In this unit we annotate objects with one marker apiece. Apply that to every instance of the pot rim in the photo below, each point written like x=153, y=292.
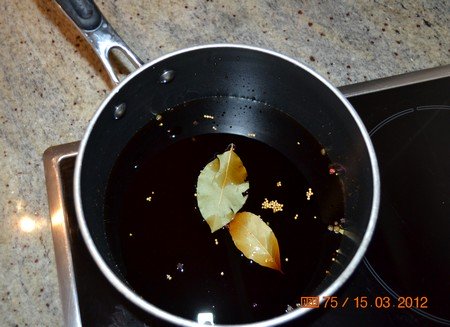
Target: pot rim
x=150, y=308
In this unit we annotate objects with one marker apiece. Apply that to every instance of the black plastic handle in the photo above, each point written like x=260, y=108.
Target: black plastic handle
x=84, y=13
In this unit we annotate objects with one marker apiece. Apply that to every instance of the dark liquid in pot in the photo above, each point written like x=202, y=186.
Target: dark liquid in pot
x=165, y=249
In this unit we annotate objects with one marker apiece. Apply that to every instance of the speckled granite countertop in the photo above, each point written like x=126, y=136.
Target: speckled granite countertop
x=51, y=83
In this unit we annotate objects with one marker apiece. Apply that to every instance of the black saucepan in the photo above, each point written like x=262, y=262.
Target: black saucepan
x=220, y=71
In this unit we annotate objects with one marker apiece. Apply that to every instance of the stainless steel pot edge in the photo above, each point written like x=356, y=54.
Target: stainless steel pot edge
x=127, y=292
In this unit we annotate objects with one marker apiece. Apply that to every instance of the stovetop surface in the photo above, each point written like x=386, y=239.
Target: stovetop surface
x=407, y=262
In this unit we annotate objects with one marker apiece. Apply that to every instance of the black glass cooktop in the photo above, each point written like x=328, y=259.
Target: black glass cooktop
x=404, y=280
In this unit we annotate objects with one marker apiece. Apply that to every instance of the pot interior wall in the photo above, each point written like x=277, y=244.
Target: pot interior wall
x=235, y=72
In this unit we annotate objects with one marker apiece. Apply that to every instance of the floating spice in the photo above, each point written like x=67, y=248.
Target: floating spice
x=309, y=193
x=255, y=240
x=220, y=189
x=273, y=204
x=220, y=193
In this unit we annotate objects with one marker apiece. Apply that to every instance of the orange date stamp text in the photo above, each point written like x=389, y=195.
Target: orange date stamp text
x=364, y=302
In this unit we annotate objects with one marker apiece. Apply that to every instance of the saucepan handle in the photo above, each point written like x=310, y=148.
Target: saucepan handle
x=97, y=31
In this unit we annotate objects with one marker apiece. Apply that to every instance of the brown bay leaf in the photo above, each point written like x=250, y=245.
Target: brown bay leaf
x=255, y=240
x=220, y=188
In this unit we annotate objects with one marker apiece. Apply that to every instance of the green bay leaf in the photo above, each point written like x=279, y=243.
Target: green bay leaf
x=220, y=189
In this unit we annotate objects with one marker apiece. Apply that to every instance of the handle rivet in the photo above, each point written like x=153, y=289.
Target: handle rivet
x=167, y=76
x=119, y=110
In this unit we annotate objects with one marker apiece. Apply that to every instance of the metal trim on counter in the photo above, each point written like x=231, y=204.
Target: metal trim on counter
x=61, y=240
x=387, y=83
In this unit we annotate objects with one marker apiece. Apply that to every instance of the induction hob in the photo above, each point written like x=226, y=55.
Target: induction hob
x=404, y=280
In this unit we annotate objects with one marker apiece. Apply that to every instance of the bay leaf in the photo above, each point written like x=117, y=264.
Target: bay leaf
x=255, y=240
x=220, y=189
